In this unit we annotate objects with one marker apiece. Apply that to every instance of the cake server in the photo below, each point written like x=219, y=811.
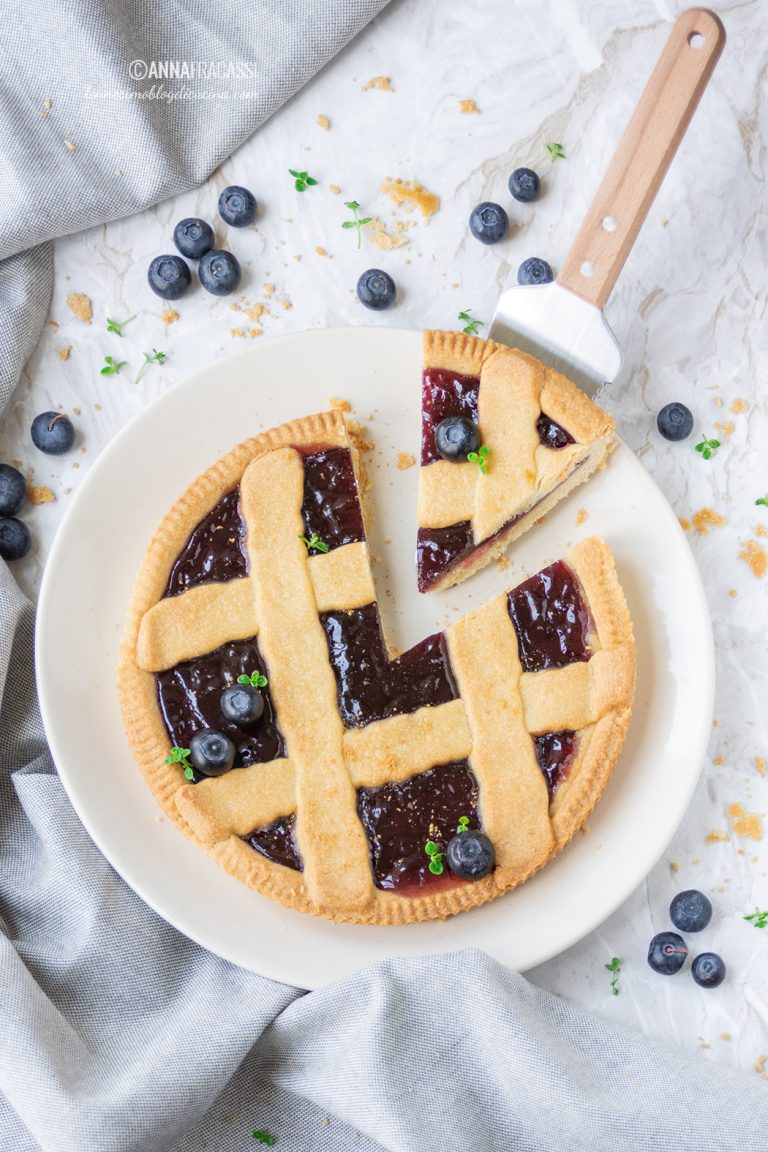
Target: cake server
x=562, y=323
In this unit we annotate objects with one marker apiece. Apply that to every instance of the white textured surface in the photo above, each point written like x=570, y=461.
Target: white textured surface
x=689, y=311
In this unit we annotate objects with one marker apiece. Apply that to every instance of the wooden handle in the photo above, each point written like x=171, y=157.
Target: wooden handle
x=641, y=160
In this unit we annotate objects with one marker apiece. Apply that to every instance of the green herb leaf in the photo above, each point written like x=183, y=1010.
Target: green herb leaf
x=256, y=680
x=615, y=968
x=436, y=865
x=471, y=326
x=480, y=458
x=463, y=824
x=302, y=180
x=763, y=500
x=707, y=447
x=556, y=152
x=154, y=358
x=181, y=756
x=189, y=772
x=112, y=367
x=116, y=326
x=357, y=222
x=431, y=848
x=264, y=1137
x=315, y=542
x=758, y=919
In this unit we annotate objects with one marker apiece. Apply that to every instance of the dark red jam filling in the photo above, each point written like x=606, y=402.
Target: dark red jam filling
x=190, y=694
x=552, y=435
x=331, y=507
x=555, y=752
x=276, y=842
x=215, y=550
x=400, y=818
x=371, y=686
x=551, y=619
x=444, y=393
x=440, y=548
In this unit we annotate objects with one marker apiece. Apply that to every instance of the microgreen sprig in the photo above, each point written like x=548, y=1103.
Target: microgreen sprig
x=763, y=500
x=480, y=458
x=314, y=541
x=302, y=180
x=436, y=865
x=181, y=756
x=112, y=367
x=556, y=152
x=256, y=680
x=707, y=447
x=471, y=326
x=463, y=824
x=116, y=326
x=155, y=358
x=263, y=1137
x=357, y=222
x=615, y=969
x=758, y=919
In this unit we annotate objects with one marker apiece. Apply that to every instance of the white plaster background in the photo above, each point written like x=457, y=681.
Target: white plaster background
x=689, y=311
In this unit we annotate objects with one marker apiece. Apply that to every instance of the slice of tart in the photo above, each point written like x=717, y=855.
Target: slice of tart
x=504, y=439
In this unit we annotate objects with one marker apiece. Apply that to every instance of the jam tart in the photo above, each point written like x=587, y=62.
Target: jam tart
x=360, y=769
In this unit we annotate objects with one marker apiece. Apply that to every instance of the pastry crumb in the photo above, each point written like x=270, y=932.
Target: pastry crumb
x=727, y=429
x=286, y=304
x=756, y=557
x=760, y=764
x=323, y=122
x=732, y=593
x=739, y=406
x=405, y=460
x=322, y=252
x=334, y=189
x=703, y=1043
x=97, y=407
x=325, y=1121
x=255, y=332
x=378, y=235
x=503, y=563
x=380, y=83
x=235, y=333
x=674, y=866
x=80, y=306
x=64, y=352
x=718, y=401
x=46, y=108
x=761, y=530
x=581, y=516
x=40, y=495
x=760, y=1064
x=54, y=324
x=70, y=146
x=410, y=195
x=716, y=835
x=170, y=316
x=745, y=824
x=684, y=523
x=725, y=1035
x=339, y=405
x=468, y=108
x=269, y=289
x=705, y=519
x=718, y=760
x=584, y=829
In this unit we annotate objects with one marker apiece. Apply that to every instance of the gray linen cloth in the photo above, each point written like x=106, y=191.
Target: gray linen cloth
x=116, y=1032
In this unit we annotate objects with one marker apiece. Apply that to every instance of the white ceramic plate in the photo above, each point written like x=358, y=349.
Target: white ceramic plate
x=86, y=589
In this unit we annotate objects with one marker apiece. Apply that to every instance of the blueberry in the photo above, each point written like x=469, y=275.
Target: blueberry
x=211, y=753
x=15, y=540
x=53, y=433
x=534, y=270
x=455, y=437
x=525, y=185
x=708, y=970
x=488, y=222
x=219, y=272
x=13, y=490
x=690, y=911
x=193, y=237
x=376, y=289
x=237, y=206
x=675, y=421
x=667, y=953
x=470, y=854
x=242, y=704
x=169, y=277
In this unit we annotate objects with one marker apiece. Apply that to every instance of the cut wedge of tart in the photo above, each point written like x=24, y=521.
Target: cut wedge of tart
x=504, y=439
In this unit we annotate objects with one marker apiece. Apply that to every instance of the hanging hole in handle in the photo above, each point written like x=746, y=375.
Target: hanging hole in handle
x=696, y=40
x=609, y=223
x=587, y=269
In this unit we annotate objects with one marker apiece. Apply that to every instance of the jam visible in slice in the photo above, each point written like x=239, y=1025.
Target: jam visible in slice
x=444, y=393
x=551, y=434
x=555, y=752
x=276, y=842
x=551, y=619
x=440, y=548
x=331, y=507
x=190, y=699
x=215, y=550
x=370, y=685
x=399, y=819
